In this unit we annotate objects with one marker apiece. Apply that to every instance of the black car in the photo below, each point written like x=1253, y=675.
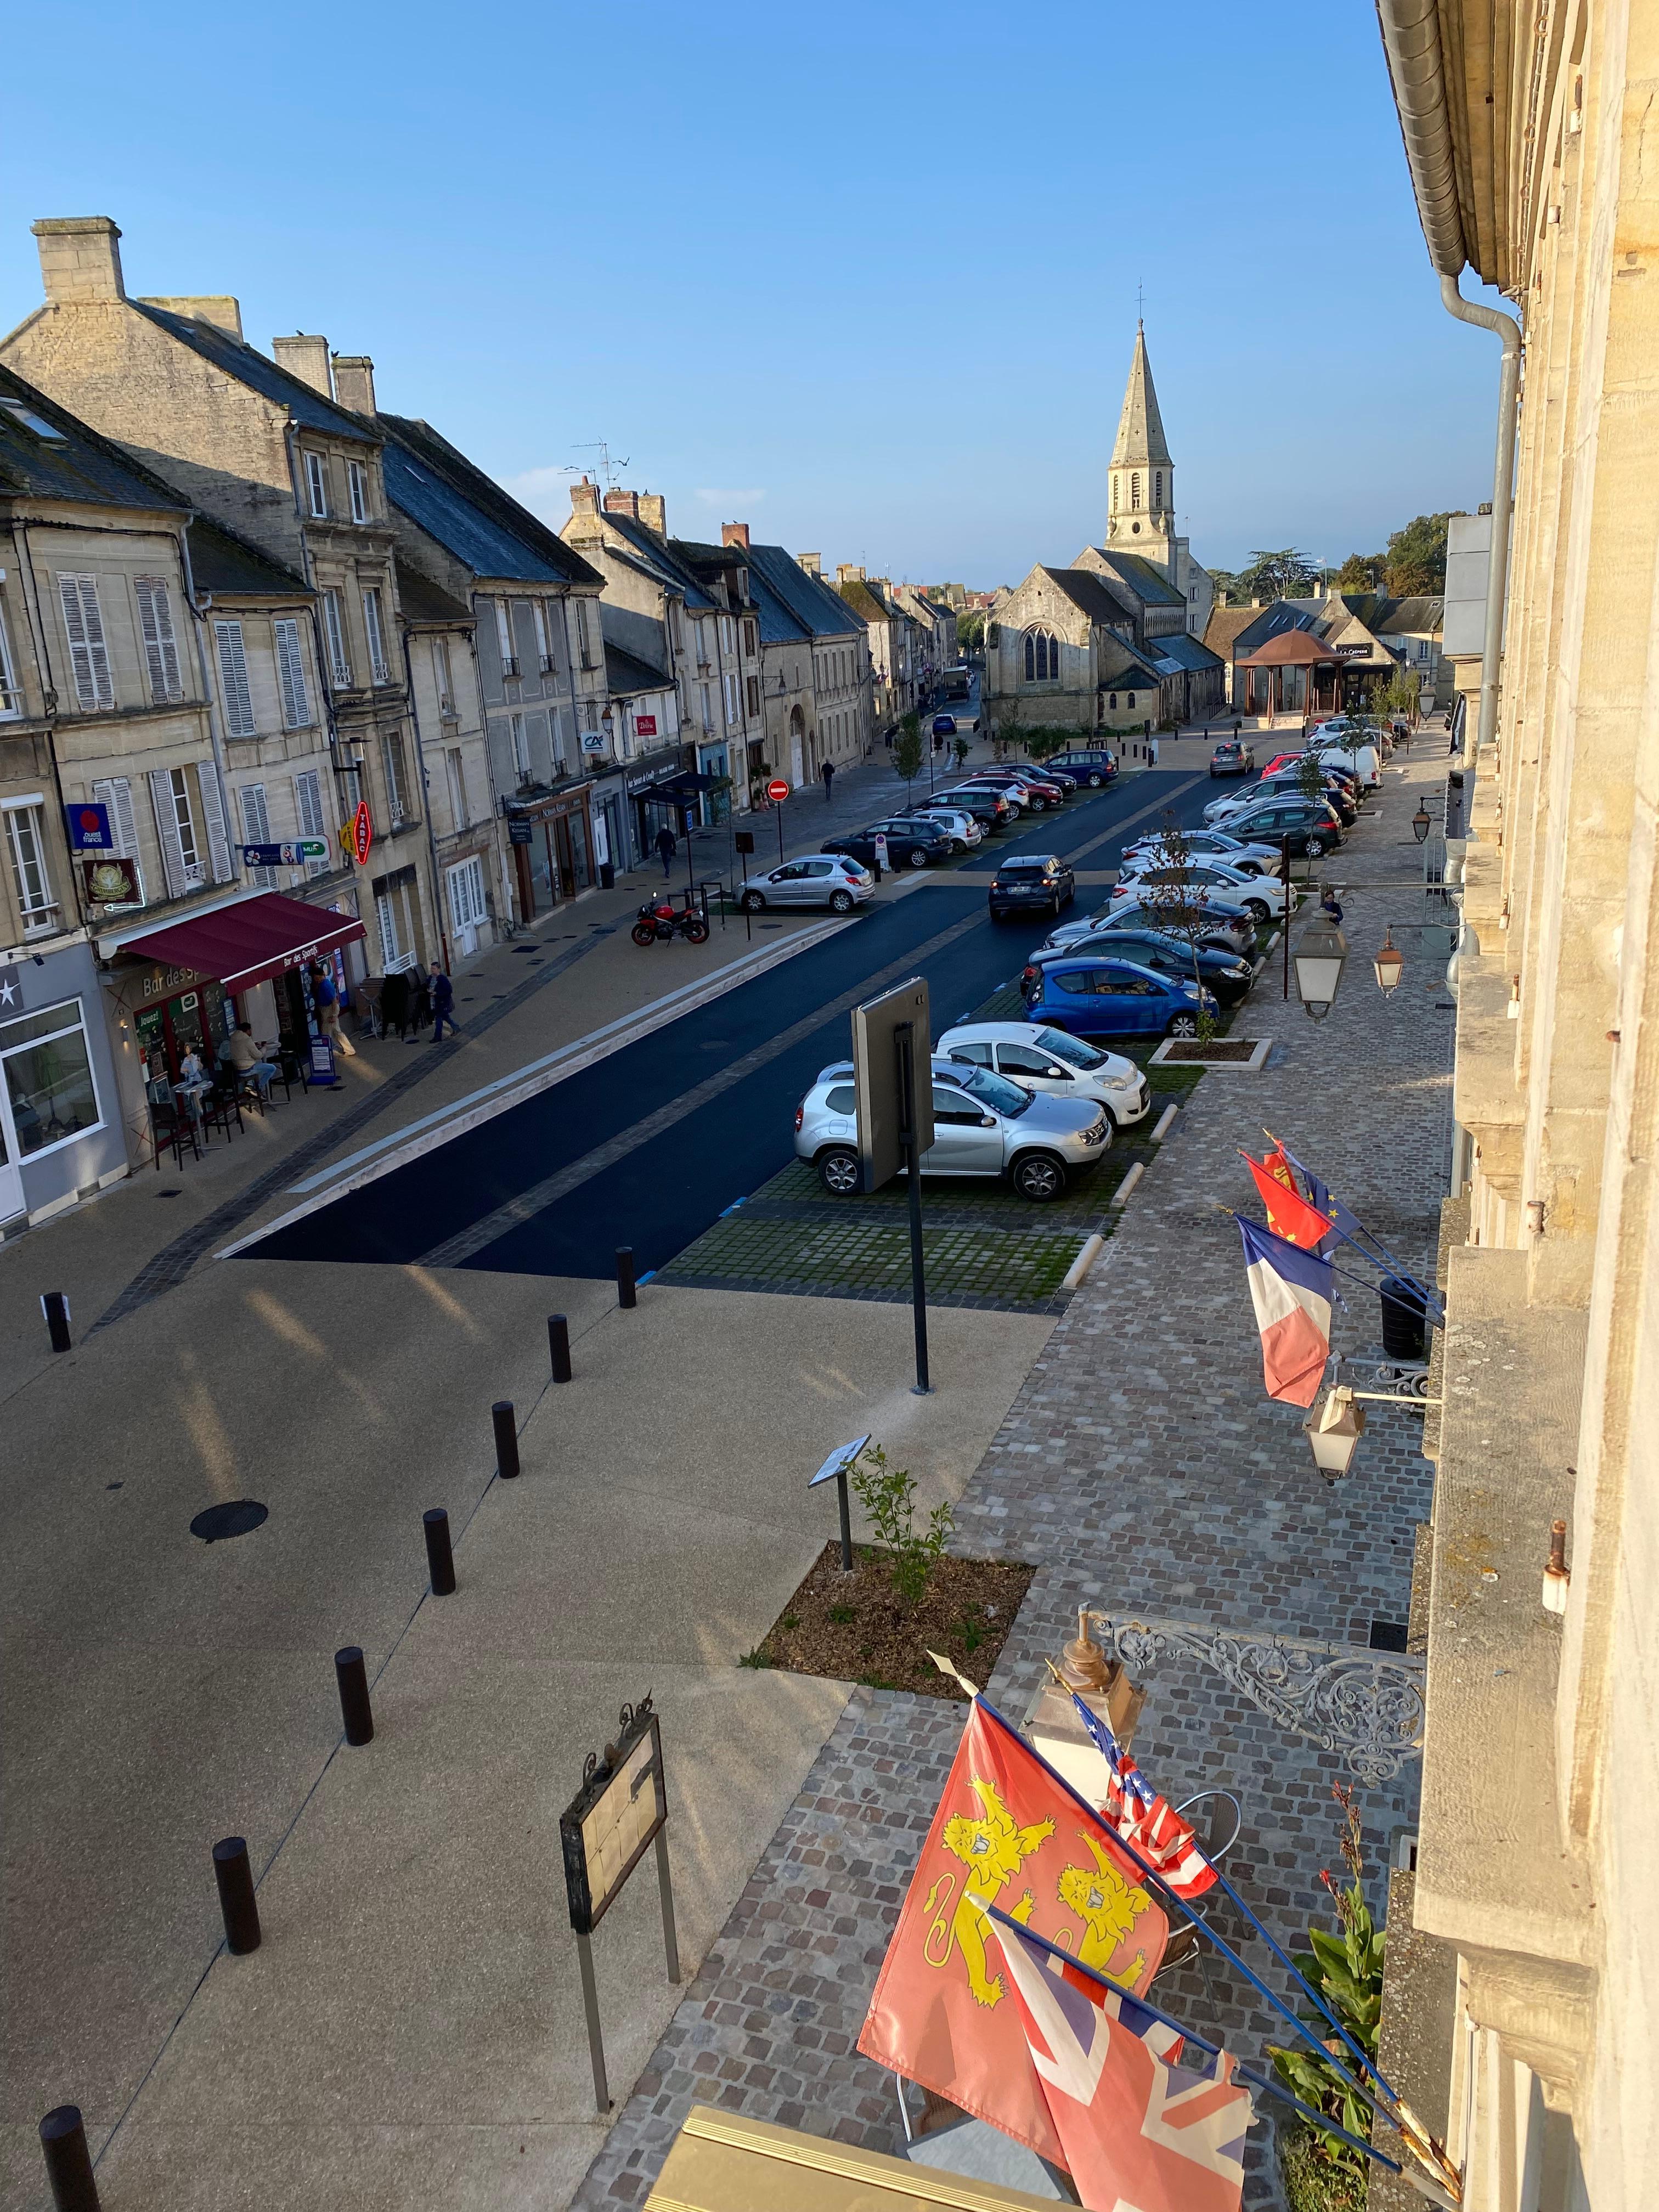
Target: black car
x=1226, y=973
x=1232, y=757
x=1091, y=764
x=912, y=841
x=1220, y=933
x=989, y=808
x=1035, y=883
x=1309, y=824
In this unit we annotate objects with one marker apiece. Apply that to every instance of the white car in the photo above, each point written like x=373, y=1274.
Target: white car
x=1265, y=895
x=963, y=831
x=1042, y=1059
x=1210, y=845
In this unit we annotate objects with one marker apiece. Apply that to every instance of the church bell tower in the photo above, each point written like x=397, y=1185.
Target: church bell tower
x=1141, y=476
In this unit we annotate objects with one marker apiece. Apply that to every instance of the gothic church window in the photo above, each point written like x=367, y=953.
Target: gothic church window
x=1042, y=656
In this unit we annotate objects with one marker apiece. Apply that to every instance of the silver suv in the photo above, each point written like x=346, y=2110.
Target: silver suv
x=984, y=1125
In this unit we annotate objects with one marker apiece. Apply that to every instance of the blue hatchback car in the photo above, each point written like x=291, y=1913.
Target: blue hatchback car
x=1095, y=997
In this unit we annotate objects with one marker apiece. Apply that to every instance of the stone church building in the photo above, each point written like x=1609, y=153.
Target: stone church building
x=1114, y=641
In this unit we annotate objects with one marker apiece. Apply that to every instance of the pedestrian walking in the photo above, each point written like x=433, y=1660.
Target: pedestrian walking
x=828, y=772
x=326, y=1000
x=1330, y=906
x=443, y=1002
x=667, y=846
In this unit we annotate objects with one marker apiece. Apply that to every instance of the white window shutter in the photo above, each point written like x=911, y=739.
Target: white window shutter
x=83, y=625
x=333, y=622
x=167, y=831
x=233, y=677
x=115, y=793
x=213, y=810
x=161, y=647
x=256, y=827
x=291, y=674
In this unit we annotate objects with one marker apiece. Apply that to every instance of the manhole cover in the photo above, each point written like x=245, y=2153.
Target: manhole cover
x=235, y=1519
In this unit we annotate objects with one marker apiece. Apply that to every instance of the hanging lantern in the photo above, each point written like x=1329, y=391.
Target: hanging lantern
x=1321, y=956
x=1420, y=821
x=1334, y=1430
x=1390, y=966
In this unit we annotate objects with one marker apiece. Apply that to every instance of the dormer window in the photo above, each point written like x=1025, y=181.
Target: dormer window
x=316, y=484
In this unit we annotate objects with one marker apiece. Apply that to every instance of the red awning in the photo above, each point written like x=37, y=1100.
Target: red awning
x=251, y=941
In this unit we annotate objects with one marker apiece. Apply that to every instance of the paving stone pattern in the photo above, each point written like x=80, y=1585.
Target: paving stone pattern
x=1142, y=1469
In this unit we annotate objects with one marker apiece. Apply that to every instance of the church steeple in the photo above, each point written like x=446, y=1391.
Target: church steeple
x=1141, y=471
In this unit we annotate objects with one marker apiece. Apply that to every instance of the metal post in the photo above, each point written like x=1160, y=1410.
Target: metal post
x=846, y=1523
x=69, y=2162
x=905, y=1038
x=236, y=1900
x=670, y=1943
x=626, y=1296
x=558, y=1345
x=352, y=1677
x=595, y=2032
x=439, y=1560
x=56, y=1307
x=1285, y=869
x=507, y=1438
x=779, y=807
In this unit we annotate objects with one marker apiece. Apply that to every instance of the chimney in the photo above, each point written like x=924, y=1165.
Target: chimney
x=735, y=533
x=847, y=574
x=653, y=513
x=617, y=501
x=80, y=259
x=584, y=497
x=353, y=382
x=224, y=312
x=306, y=358
x=813, y=563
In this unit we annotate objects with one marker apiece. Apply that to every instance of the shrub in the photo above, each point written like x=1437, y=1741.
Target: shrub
x=888, y=1495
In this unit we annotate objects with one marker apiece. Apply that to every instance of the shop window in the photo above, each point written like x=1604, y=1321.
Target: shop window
x=51, y=1091
x=32, y=885
x=467, y=895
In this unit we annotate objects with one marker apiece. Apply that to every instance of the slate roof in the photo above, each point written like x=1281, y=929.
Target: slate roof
x=1185, y=650
x=1140, y=440
x=1143, y=576
x=1270, y=622
x=1414, y=615
x=625, y=672
x=1092, y=593
x=1221, y=632
x=268, y=378
x=229, y=568
x=820, y=611
x=423, y=601
x=436, y=485
x=80, y=466
x=658, y=560
x=778, y=623
x=866, y=603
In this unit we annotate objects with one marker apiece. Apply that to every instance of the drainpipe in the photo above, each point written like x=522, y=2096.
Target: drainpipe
x=1503, y=488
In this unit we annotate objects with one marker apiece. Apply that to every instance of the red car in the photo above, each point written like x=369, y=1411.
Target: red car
x=1034, y=792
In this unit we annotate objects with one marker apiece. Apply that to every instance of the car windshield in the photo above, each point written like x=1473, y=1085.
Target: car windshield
x=1022, y=871
x=1070, y=1049
x=992, y=1090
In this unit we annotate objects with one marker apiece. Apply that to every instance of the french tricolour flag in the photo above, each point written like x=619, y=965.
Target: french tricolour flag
x=1292, y=1290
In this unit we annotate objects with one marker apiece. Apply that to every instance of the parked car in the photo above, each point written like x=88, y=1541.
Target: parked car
x=1234, y=933
x=963, y=831
x=1031, y=883
x=1091, y=997
x=1308, y=824
x=984, y=1125
x=1011, y=795
x=1211, y=901
x=991, y=809
x=828, y=879
x=1220, y=969
x=1213, y=844
x=1358, y=758
x=1226, y=813
x=1034, y=792
x=1232, y=756
x=1094, y=765
x=1263, y=896
x=913, y=840
x=1049, y=1061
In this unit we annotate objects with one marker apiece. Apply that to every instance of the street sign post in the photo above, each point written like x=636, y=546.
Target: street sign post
x=777, y=791
x=743, y=843
x=619, y=1812
x=893, y=1084
x=839, y=1464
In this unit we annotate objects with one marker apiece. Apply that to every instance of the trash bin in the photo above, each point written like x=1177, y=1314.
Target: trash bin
x=1403, y=1319
x=607, y=875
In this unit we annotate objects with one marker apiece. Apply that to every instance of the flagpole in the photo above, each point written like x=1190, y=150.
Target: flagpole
x=1402, y=1273
x=1188, y=2034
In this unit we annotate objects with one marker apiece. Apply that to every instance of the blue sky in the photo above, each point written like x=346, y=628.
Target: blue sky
x=866, y=281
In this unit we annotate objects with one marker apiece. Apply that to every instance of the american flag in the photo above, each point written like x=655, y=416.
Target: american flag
x=1147, y=1820
x=1140, y=2123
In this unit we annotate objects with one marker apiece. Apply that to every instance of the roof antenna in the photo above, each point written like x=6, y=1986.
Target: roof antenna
x=608, y=468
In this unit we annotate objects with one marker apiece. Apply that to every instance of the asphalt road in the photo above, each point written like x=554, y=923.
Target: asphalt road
x=648, y=1147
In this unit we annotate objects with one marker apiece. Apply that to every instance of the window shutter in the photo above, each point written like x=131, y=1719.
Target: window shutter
x=291, y=676
x=256, y=827
x=337, y=648
x=83, y=625
x=167, y=831
x=161, y=647
x=233, y=676
x=213, y=812
x=115, y=792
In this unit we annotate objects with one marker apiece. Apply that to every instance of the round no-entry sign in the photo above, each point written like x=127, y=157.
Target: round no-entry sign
x=777, y=791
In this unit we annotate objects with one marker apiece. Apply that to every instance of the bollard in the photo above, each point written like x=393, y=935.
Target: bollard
x=439, y=1560
x=626, y=1297
x=69, y=2162
x=558, y=1343
x=507, y=1438
x=236, y=1899
x=352, y=1677
x=56, y=1307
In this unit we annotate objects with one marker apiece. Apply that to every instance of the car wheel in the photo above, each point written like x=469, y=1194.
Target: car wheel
x=1315, y=848
x=752, y=902
x=838, y=1171
x=1039, y=1176
x=1038, y=805
x=917, y=856
x=841, y=903
x=1183, y=1026
x=1259, y=910
x=1096, y=779
x=958, y=845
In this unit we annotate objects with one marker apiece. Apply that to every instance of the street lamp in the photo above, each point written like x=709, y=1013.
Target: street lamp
x=1389, y=965
x=1334, y=1430
x=1420, y=821
x=1320, y=958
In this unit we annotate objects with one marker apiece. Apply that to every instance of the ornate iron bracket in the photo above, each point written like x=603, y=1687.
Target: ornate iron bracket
x=1366, y=1704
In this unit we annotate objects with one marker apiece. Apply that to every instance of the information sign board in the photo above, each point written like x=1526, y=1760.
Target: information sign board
x=889, y=1031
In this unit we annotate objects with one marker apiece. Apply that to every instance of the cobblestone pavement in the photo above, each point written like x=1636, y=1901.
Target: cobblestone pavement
x=1144, y=1472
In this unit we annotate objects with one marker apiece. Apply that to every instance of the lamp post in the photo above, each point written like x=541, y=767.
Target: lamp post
x=1333, y=1430
x=1321, y=956
x=1390, y=965
x=1421, y=822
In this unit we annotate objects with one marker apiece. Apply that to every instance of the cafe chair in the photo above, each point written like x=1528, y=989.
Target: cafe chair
x=219, y=1104
x=292, y=1066
x=170, y=1127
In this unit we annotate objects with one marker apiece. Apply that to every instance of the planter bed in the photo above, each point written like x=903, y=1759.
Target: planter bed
x=1244, y=1054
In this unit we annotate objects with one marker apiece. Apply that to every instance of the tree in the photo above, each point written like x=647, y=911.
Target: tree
x=1285, y=575
x=1360, y=572
x=1006, y=733
x=971, y=633
x=1227, y=586
x=1416, y=558
x=1176, y=904
x=907, y=752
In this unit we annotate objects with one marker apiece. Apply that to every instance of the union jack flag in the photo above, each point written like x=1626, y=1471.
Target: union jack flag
x=1146, y=1819
x=1142, y=2124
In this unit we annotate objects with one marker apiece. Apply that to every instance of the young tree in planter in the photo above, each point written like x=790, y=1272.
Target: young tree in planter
x=1177, y=904
x=1006, y=734
x=908, y=752
x=960, y=746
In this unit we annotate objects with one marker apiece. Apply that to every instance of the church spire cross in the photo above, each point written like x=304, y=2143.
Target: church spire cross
x=1140, y=440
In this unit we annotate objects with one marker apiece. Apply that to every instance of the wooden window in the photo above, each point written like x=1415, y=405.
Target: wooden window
x=317, y=484
x=537, y=615
x=83, y=625
x=754, y=695
x=357, y=480
x=334, y=629
x=374, y=631
x=396, y=786
x=520, y=750
x=504, y=637
x=291, y=675
x=457, y=768
x=441, y=676
x=11, y=698
x=236, y=698
x=27, y=845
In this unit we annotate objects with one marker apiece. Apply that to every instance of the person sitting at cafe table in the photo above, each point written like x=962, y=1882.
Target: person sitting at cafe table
x=193, y=1080
x=246, y=1057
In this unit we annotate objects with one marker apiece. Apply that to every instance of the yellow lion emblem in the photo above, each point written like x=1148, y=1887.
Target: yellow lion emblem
x=992, y=1849
x=1109, y=1910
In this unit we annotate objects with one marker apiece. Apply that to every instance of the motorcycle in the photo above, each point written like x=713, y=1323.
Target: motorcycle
x=660, y=921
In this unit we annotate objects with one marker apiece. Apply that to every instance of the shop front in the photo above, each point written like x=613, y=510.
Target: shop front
x=61, y=1132
x=651, y=803
x=556, y=860
x=714, y=762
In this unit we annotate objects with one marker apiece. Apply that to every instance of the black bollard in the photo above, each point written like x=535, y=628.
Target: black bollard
x=56, y=1307
x=626, y=1296
x=439, y=1560
x=69, y=2162
x=507, y=1438
x=352, y=1676
x=236, y=1900
x=558, y=1343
